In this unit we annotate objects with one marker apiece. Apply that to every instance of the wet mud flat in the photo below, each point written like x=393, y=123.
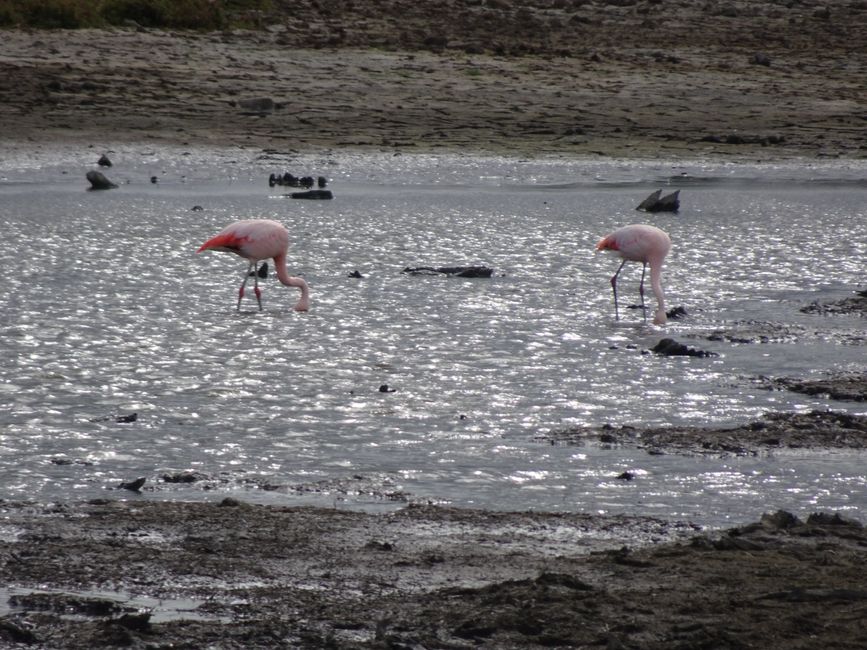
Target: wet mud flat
x=147, y=574
x=817, y=429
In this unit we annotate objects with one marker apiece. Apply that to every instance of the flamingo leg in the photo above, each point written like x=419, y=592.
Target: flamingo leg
x=256, y=288
x=641, y=291
x=614, y=289
x=244, y=284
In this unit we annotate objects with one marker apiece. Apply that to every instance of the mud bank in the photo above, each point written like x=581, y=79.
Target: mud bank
x=231, y=575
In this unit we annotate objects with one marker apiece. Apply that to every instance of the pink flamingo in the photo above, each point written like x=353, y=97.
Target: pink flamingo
x=256, y=240
x=648, y=245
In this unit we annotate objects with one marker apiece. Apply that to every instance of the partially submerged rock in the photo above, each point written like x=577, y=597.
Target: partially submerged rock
x=457, y=271
x=98, y=181
x=671, y=348
x=313, y=194
x=133, y=486
x=658, y=203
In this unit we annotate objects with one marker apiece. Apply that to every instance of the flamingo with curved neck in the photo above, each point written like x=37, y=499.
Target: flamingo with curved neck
x=257, y=240
x=648, y=245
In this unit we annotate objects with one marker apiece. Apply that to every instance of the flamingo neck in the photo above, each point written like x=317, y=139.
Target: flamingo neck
x=656, y=285
x=303, y=303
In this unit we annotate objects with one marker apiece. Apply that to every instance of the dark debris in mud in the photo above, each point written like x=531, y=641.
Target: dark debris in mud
x=424, y=577
x=856, y=304
x=814, y=430
x=762, y=332
x=850, y=387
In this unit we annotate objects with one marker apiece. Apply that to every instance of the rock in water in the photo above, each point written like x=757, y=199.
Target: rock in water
x=671, y=348
x=98, y=181
x=457, y=271
x=658, y=203
x=133, y=486
x=313, y=194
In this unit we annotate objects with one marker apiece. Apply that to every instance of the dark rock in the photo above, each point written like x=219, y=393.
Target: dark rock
x=385, y=389
x=856, y=304
x=184, y=477
x=313, y=194
x=671, y=348
x=197, y=208
x=626, y=476
x=651, y=200
x=458, y=271
x=676, y=314
x=133, y=486
x=658, y=203
x=103, y=161
x=832, y=519
x=321, y=181
x=13, y=632
x=137, y=622
x=848, y=387
x=121, y=419
x=780, y=520
x=154, y=180
x=355, y=274
x=98, y=181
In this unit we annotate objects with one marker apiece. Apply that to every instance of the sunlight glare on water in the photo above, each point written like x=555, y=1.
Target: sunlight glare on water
x=109, y=312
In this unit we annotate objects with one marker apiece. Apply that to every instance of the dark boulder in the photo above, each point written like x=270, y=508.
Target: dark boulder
x=133, y=486
x=98, y=181
x=103, y=161
x=671, y=348
x=658, y=203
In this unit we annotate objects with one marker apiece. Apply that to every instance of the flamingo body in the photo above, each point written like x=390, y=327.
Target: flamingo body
x=640, y=243
x=256, y=240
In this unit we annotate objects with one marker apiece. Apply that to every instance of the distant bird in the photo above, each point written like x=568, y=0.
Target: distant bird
x=640, y=243
x=257, y=240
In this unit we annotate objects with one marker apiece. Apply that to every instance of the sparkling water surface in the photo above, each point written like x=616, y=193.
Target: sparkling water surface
x=108, y=311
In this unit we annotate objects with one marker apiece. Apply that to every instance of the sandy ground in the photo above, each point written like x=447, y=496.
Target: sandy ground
x=660, y=78
x=651, y=78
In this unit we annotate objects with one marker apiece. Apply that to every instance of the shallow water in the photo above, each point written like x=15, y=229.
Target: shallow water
x=108, y=312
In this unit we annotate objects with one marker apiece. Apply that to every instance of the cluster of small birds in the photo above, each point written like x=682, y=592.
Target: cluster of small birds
x=258, y=240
